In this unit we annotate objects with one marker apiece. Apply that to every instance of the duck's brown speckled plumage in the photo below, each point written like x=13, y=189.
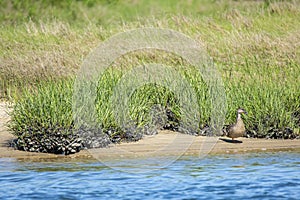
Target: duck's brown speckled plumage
x=238, y=129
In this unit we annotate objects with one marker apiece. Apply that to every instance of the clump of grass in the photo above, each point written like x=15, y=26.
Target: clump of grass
x=146, y=101
x=45, y=109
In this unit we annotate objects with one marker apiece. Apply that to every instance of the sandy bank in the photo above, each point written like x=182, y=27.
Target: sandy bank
x=166, y=143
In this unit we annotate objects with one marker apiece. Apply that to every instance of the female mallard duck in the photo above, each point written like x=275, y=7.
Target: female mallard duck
x=238, y=129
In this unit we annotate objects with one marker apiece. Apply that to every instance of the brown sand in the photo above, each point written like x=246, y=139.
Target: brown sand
x=166, y=143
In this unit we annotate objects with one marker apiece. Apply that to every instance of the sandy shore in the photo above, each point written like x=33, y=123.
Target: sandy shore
x=166, y=143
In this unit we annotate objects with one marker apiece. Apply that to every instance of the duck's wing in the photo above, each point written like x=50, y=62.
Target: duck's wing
x=230, y=129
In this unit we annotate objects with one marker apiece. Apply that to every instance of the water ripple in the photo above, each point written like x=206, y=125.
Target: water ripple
x=251, y=176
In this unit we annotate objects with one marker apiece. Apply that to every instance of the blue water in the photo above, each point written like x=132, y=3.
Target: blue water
x=244, y=176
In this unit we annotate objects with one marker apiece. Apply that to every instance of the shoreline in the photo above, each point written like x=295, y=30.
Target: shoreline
x=165, y=143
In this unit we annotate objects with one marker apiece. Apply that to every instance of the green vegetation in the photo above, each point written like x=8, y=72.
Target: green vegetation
x=254, y=44
x=47, y=108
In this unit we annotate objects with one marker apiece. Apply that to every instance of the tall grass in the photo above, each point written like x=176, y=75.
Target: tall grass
x=271, y=106
x=46, y=109
x=254, y=44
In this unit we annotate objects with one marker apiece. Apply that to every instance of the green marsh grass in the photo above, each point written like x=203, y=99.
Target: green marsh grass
x=269, y=104
x=254, y=44
x=46, y=108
